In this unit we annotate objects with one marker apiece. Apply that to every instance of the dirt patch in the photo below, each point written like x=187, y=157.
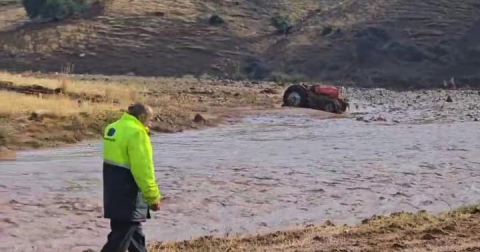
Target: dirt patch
x=453, y=231
x=6, y=154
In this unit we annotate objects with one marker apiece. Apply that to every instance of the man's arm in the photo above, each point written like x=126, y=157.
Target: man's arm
x=142, y=167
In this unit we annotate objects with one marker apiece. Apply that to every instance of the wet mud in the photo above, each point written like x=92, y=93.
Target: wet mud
x=267, y=171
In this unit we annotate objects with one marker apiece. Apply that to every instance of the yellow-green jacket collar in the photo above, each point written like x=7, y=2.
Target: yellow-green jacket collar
x=129, y=117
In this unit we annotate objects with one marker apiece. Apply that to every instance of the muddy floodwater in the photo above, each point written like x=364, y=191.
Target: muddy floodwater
x=264, y=173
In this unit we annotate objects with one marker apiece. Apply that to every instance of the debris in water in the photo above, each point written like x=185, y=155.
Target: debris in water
x=199, y=119
x=380, y=119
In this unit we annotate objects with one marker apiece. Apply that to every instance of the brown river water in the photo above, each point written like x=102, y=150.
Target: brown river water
x=265, y=172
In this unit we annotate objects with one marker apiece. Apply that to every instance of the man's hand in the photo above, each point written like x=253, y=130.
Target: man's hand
x=155, y=207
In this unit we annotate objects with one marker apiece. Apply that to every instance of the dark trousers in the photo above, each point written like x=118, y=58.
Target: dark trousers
x=125, y=235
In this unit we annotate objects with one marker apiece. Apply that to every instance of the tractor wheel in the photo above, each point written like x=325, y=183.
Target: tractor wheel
x=344, y=105
x=295, y=96
x=329, y=107
x=332, y=107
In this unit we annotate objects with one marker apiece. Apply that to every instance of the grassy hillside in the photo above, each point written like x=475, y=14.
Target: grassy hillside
x=399, y=42
x=363, y=42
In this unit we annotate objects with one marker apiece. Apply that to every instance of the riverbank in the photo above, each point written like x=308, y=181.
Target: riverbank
x=456, y=230
x=38, y=111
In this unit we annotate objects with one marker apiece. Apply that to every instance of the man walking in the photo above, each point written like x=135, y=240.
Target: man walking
x=129, y=186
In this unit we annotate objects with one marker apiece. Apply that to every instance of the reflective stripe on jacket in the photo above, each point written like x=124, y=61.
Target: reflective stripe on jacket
x=128, y=170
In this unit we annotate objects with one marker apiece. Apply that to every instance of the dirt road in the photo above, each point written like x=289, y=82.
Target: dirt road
x=272, y=170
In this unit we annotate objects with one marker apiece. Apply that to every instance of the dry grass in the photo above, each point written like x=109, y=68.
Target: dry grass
x=50, y=120
x=411, y=231
x=10, y=14
x=184, y=8
x=277, y=241
x=125, y=92
x=13, y=103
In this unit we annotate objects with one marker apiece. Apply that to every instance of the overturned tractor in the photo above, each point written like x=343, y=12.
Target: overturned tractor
x=326, y=98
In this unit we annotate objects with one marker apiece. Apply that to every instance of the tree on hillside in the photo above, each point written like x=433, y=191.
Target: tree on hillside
x=57, y=9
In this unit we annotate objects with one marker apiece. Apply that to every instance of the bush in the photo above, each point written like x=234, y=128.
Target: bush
x=216, y=20
x=282, y=24
x=33, y=7
x=58, y=9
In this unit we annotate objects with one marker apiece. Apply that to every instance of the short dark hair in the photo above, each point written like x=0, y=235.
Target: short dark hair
x=138, y=109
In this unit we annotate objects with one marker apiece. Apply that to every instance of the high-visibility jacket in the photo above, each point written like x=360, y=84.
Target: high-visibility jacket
x=129, y=185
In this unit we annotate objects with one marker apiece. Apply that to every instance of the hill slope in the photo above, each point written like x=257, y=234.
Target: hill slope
x=363, y=42
x=403, y=42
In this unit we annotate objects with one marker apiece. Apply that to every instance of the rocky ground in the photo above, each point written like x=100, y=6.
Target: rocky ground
x=423, y=106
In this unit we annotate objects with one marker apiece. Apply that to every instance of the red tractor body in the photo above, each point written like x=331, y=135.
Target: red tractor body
x=330, y=91
x=321, y=97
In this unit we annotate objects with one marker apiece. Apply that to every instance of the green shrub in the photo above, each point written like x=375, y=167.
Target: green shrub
x=58, y=9
x=216, y=20
x=282, y=24
x=33, y=7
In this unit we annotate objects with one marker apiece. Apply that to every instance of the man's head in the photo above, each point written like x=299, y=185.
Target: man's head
x=142, y=112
